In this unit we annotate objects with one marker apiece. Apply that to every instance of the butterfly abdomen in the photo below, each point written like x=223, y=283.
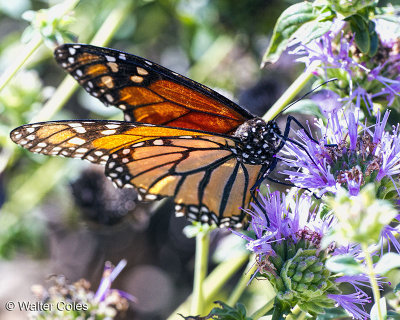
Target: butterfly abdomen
x=259, y=141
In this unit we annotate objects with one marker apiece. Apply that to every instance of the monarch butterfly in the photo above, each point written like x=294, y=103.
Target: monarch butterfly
x=179, y=139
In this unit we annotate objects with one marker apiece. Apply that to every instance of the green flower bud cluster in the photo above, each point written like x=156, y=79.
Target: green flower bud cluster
x=300, y=278
x=347, y=7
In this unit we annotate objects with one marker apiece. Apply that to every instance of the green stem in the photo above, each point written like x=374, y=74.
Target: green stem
x=200, y=271
x=263, y=310
x=213, y=283
x=69, y=85
x=372, y=280
x=295, y=313
x=30, y=48
x=20, y=60
x=291, y=92
x=243, y=282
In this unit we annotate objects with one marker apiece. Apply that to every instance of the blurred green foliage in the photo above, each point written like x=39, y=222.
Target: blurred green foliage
x=219, y=43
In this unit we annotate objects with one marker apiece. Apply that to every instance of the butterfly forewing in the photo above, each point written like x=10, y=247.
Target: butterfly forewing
x=147, y=92
x=88, y=140
x=199, y=170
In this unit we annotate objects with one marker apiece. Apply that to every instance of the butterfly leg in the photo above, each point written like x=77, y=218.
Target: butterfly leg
x=285, y=136
x=254, y=189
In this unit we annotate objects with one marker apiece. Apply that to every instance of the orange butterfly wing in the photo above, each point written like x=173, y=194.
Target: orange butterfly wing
x=147, y=92
x=201, y=171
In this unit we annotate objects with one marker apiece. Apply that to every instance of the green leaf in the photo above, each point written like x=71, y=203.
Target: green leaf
x=223, y=312
x=311, y=307
x=345, y=264
x=334, y=313
x=364, y=34
x=397, y=288
x=288, y=23
x=361, y=32
x=312, y=30
x=347, y=8
x=387, y=262
x=373, y=39
x=393, y=315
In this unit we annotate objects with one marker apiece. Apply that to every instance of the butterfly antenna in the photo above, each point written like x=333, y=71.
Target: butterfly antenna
x=305, y=95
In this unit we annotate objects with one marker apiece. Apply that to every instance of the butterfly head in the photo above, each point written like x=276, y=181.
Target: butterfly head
x=259, y=141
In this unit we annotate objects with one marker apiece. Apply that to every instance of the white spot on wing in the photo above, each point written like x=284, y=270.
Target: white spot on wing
x=112, y=126
x=80, y=129
x=108, y=132
x=142, y=71
x=150, y=196
x=137, y=79
x=158, y=142
x=109, y=97
x=77, y=140
x=139, y=144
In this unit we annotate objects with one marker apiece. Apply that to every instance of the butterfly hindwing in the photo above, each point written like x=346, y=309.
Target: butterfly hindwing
x=199, y=170
x=147, y=92
x=201, y=173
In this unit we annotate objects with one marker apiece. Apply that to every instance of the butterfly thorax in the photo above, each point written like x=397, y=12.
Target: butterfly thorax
x=259, y=141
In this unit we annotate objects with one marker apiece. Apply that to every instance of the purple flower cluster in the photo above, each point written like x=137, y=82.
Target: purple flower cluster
x=346, y=153
x=366, y=78
x=295, y=220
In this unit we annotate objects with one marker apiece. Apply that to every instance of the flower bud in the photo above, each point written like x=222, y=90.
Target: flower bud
x=362, y=217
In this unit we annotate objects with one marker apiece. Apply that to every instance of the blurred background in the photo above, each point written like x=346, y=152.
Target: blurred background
x=62, y=216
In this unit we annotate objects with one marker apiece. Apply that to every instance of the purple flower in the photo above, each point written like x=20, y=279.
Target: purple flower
x=351, y=302
x=109, y=274
x=347, y=154
x=289, y=254
x=391, y=234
